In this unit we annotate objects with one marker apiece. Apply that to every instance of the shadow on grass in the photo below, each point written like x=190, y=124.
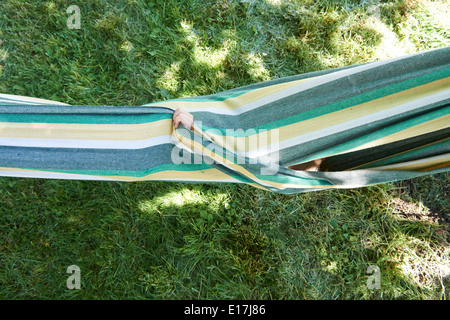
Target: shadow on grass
x=433, y=191
x=158, y=240
x=147, y=240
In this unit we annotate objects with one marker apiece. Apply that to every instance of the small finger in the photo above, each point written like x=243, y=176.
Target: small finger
x=176, y=122
x=179, y=111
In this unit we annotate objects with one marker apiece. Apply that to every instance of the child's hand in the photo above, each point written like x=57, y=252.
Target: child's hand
x=181, y=115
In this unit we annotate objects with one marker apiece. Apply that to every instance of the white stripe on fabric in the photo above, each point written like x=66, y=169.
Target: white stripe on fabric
x=365, y=120
x=27, y=100
x=303, y=86
x=85, y=144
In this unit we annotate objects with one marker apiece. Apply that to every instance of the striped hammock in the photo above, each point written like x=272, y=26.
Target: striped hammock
x=372, y=123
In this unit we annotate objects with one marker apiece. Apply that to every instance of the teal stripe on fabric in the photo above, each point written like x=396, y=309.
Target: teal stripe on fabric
x=273, y=178
x=125, y=173
x=341, y=105
x=84, y=119
x=210, y=98
x=389, y=130
x=404, y=155
x=294, y=180
x=230, y=157
x=360, y=99
x=381, y=133
x=212, y=147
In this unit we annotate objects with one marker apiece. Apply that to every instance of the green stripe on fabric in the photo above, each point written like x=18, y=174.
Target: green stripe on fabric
x=272, y=178
x=212, y=147
x=84, y=119
x=381, y=133
x=401, y=156
x=341, y=105
x=229, y=156
x=294, y=180
x=127, y=173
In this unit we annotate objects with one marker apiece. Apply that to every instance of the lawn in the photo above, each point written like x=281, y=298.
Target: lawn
x=161, y=240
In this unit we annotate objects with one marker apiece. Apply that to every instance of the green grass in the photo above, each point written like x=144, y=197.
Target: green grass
x=160, y=240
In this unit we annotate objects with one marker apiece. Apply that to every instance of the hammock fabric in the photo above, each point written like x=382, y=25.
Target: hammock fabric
x=374, y=123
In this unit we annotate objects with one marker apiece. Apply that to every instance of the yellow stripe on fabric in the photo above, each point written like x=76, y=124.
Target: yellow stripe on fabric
x=418, y=165
x=420, y=129
x=163, y=127
x=81, y=131
x=339, y=117
x=231, y=103
x=207, y=174
x=196, y=146
x=216, y=157
x=438, y=166
x=393, y=155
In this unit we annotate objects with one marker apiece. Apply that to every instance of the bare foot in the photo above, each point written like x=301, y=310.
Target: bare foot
x=181, y=115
